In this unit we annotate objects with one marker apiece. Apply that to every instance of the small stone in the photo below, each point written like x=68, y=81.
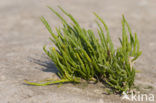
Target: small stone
x=2, y=78
x=100, y=101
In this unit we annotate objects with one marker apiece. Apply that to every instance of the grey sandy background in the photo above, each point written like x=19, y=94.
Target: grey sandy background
x=22, y=36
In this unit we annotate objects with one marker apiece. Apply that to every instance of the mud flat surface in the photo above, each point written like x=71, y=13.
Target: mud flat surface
x=22, y=36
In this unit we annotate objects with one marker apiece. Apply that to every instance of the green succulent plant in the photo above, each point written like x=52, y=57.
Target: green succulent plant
x=79, y=55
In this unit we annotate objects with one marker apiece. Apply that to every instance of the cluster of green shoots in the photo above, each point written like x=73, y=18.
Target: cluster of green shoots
x=79, y=55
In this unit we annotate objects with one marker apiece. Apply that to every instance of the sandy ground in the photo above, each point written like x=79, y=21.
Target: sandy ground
x=22, y=36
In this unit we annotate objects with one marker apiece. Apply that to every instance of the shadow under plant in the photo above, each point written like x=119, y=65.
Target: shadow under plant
x=48, y=65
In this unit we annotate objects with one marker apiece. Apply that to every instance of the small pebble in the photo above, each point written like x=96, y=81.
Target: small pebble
x=100, y=101
x=2, y=78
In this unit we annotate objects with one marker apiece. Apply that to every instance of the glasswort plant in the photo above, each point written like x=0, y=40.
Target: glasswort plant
x=79, y=55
